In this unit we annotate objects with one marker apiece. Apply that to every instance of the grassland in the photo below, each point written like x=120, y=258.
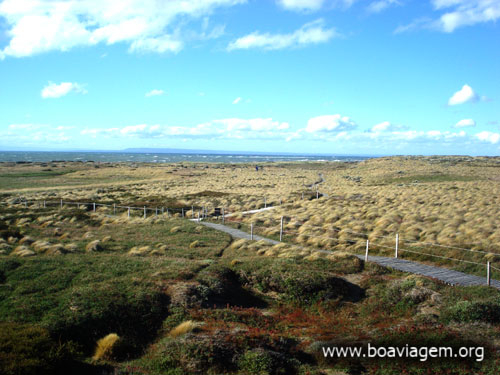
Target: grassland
x=92, y=293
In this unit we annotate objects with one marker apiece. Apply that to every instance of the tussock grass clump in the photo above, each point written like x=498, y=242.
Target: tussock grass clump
x=352, y=263
x=491, y=257
x=183, y=328
x=26, y=240
x=70, y=247
x=239, y=244
x=105, y=346
x=175, y=229
x=194, y=244
x=93, y=246
x=139, y=250
x=87, y=235
x=315, y=256
x=40, y=246
x=23, y=222
x=234, y=262
x=56, y=249
x=23, y=251
x=107, y=239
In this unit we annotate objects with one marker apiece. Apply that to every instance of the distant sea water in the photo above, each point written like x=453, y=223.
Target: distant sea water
x=46, y=156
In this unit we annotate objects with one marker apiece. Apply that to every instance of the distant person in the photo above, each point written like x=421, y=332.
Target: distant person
x=257, y=168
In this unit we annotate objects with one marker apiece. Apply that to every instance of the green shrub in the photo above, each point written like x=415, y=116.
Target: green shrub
x=473, y=311
x=256, y=362
x=294, y=281
x=89, y=313
x=265, y=362
x=189, y=355
x=26, y=349
x=82, y=298
x=176, y=316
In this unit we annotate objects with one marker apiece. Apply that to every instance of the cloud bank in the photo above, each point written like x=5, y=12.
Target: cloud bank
x=37, y=26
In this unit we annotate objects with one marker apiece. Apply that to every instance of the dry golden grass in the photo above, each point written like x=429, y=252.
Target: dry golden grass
x=194, y=244
x=104, y=348
x=452, y=201
x=93, y=246
x=183, y=328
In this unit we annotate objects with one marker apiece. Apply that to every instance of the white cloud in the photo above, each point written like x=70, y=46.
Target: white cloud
x=464, y=95
x=155, y=92
x=422, y=22
x=310, y=33
x=237, y=100
x=386, y=126
x=165, y=43
x=490, y=137
x=466, y=13
x=380, y=5
x=457, y=13
x=37, y=26
x=53, y=90
x=329, y=123
x=301, y=5
x=466, y=122
x=308, y=6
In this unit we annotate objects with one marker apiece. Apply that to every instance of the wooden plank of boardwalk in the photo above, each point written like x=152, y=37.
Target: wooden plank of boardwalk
x=446, y=275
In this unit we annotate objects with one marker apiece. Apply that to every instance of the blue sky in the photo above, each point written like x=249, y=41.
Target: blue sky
x=312, y=76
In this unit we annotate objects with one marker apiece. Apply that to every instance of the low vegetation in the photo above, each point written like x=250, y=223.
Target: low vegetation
x=87, y=292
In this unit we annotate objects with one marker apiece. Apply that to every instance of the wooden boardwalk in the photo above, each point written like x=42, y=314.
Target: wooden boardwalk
x=446, y=275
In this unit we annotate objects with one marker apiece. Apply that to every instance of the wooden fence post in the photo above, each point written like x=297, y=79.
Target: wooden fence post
x=223, y=216
x=94, y=206
x=61, y=203
x=302, y=195
x=251, y=231
x=397, y=245
x=44, y=206
x=128, y=212
x=367, y=247
x=488, y=273
x=168, y=213
x=183, y=212
x=281, y=229
x=144, y=212
x=265, y=203
x=114, y=208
